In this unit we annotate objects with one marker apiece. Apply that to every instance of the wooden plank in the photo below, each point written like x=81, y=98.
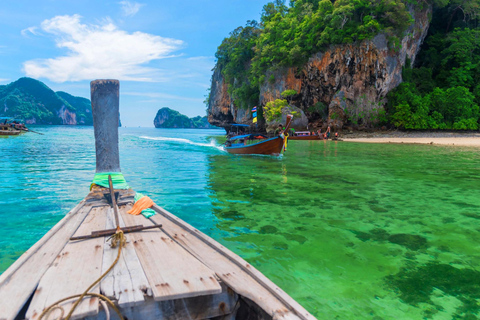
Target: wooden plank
x=172, y=272
x=73, y=271
x=238, y=274
x=127, y=282
x=196, y=308
x=19, y=281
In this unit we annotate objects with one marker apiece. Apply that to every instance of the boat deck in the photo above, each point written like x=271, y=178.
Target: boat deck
x=171, y=272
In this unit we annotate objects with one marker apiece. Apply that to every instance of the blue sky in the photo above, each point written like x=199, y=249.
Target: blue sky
x=161, y=51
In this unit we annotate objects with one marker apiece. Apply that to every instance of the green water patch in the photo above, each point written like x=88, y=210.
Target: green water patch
x=331, y=222
x=417, y=285
x=409, y=241
x=471, y=215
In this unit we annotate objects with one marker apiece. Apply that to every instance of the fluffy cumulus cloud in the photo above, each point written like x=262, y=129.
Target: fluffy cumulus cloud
x=130, y=8
x=99, y=51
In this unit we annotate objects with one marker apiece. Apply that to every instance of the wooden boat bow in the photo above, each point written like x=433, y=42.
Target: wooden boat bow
x=172, y=271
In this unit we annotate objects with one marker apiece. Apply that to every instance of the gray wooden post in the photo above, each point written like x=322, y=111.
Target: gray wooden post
x=105, y=103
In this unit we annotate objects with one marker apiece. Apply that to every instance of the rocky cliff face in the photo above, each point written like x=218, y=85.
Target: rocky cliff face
x=347, y=82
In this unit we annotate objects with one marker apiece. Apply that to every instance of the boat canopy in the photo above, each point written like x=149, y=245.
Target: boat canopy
x=240, y=137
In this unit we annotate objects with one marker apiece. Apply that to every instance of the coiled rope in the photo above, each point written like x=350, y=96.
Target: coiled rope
x=117, y=239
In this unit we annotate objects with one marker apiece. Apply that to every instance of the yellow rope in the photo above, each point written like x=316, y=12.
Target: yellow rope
x=117, y=239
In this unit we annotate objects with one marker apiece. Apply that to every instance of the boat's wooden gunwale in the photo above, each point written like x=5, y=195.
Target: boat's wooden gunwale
x=16, y=288
x=238, y=274
x=10, y=132
x=77, y=266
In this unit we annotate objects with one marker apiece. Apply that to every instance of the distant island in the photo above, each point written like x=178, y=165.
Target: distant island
x=168, y=118
x=34, y=102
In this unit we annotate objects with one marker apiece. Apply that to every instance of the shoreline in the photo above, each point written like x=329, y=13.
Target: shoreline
x=464, y=139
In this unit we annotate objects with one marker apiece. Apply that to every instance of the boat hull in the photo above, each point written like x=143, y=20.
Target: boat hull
x=9, y=132
x=271, y=146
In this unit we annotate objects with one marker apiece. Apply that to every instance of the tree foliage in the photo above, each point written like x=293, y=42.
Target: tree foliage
x=442, y=91
x=273, y=109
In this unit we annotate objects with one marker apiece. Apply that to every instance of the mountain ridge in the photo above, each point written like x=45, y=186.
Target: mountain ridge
x=35, y=103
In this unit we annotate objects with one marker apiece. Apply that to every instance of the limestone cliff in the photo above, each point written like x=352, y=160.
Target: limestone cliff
x=347, y=82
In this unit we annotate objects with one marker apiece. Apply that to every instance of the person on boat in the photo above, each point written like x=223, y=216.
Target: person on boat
x=328, y=132
x=280, y=129
x=319, y=132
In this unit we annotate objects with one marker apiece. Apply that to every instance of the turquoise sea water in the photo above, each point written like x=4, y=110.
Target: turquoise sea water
x=351, y=231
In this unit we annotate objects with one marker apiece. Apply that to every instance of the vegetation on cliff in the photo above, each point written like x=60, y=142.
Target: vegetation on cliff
x=442, y=90
x=168, y=118
x=288, y=35
x=32, y=101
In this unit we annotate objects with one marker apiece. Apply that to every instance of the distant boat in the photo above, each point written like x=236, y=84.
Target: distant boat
x=257, y=144
x=8, y=127
x=305, y=135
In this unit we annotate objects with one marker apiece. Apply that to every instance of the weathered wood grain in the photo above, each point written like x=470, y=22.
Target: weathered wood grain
x=19, y=281
x=172, y=272
x=73, y=271
x=238, y=274
x=196, y=308
x=127, y=282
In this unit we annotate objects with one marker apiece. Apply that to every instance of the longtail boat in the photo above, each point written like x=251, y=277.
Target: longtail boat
x=100, y=262
x=7, y=128
x=254, y=144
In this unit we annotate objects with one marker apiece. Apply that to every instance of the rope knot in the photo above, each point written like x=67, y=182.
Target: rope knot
x=118, y=239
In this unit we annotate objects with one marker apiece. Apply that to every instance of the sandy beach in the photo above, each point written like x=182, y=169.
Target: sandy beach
x=466, y=139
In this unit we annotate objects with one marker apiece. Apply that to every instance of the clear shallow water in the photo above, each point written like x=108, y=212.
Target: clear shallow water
x=351, y=231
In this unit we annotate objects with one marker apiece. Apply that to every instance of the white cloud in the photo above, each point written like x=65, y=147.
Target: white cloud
x=32, y=30
x=130, y=8
x=4, y=80
x=99, y=51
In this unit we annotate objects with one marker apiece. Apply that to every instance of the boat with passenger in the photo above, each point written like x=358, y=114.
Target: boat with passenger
x=258, y=143
x=11, y=127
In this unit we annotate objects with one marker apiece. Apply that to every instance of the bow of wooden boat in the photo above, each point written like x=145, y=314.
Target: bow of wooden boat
x=171, y=271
